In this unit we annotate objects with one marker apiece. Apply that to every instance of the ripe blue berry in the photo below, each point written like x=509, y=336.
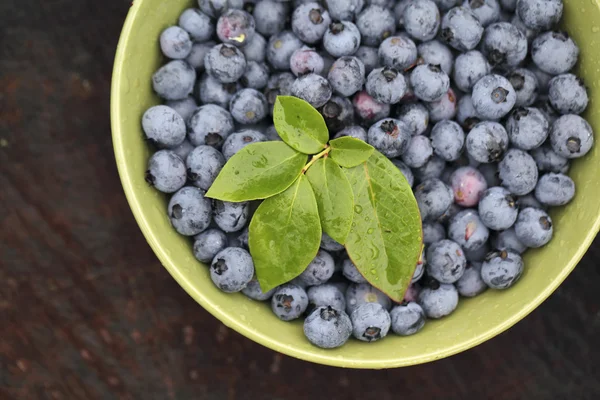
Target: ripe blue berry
x=504, y=45
x=539, y=15
x=174, y=80
x=319, y=270
x=270, y=16
x=527, y=128
x=467, y=229
x=358, y=294
x=225, y=62
x=310, y=21
x=184, y=107
x=325, y=295
x=466, y=115
x=375, y=23
x=486, y=11
x=438, y=299
x=248, y=106
x=280, y=48
x=526, y=86
x=344, y=10
x=407, y=319
x=189, y=211
x=289, y=302
x=197, y=24
x=214, y=8
x=554, y=52
x=555, y=189
x=433, y=197
x=184, y=149
x=533, y=227
x=447, y=140
x=210, y=125
x=163, y=126
x=369, y=57
x=498, y=208
x=548, y=160
x=567, y=94
x=421, y=19
x=487, y=141
x=312, y=88
x=508, y=240
x=347, y=75
x=327, y=327
x=255, y=48
x=235, y=27
x=211, y=91
x=166, y=171
x=444, y=108
x=436, y=53
x=518, y=172
x=351, y=272
x=419, y=151
x=571, y=136
x=238, y=140
x=398, y=52
x=433, y=232
x=354, y=131
x=502, y=269
x=416, y=116
x=493, y=96
x=338, y=112
x=203, y=165
x=370, y=322
x=306, y=60
x=469, y=67
x=175, y=43
x=256, y=75
x=461, y=29
x=390, y=136
x=445, y=261
x=254, y=291
x=230, y=217
x=232, y=269
x=341, y=39
x=470, y=283
x=429, y=82
x=208, y=243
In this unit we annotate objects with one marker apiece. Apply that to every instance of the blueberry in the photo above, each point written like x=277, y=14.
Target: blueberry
x=230, y=217
x=270, y=16
x=468, y=185
x=358, y=294
x=548, y=160
x=438, y=299
x=407, y=319
x=421, y=19
x=175, y=43
x=310, y=21
x=190, y=212
x=498, y=208
x=527, y=128
x=567, y=94
x=444, y=108
x=211, y=91
x=351, y=272
x=210, y=125
x=529, y=200
x=508, y=240
x=504, y=45
x=369, y=57
x=184, y=149
x=433, y=169
x=555, y=189
x=289, y=302
x=279, y=85
x=466, y=115
x=248, y=106
x=341, y=39
x=338, y=112
x=306, y=60
x=225, y=62
x=235, y=27
x=203, y=165
x=478, y=255
x=419, y=269
x=280, y=48
x=256, y=76
x=539, y=15
x=493, y=96
x=370, y=322
x=174, y=80
x=525, y=84
x=312, y=88
x=533, y=227
x=254, y=291
x=445, y=5
x=232, y=269
x=197, y=24
x=469, y=67
x=214, y=8
x=325, y=295
x=502, y=269
x=354, y=131
x=447, y=140
x=419, y=151
x=487, y=141
x=319, y=270
x=554, y=52
x=461, y=29
x=238, y=140
x=398, y=52
x=375, y=24
x=368, y=109
x=467, y=229
x=518, y=172
x=329, y=244
x=445, y=261
x=571, y=136
x=184, y=107
x=344, y=10
x=390, y=136
x=433, y=197
x=163, y=126
x=255, y=48
x=429, y=82
x=433, y=232
x=327, y=327
x=208, y=243
x=486, y=11
x=416, y=116
x=436, y=53
x=166, y=171
x=471, y=284
x=347, y=75
x=530, y=34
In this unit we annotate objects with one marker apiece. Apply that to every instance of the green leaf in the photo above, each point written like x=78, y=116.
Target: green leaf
x=285, y=234
x=349, y=152
x=386, y=238
x=258, y=171
x=334, y=198
x=300, y=125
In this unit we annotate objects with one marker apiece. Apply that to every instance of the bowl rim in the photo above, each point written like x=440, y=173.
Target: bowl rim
x=213, y=308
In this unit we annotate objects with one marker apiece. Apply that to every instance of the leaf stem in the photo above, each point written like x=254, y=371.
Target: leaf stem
x=316, y=157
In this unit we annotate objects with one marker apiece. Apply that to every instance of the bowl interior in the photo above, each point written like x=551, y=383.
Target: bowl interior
x=475, y=320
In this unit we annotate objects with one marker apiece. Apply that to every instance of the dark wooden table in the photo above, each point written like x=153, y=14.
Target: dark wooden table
x=87, y=311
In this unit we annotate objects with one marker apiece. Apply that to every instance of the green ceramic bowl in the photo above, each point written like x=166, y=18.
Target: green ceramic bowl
x=475, y=321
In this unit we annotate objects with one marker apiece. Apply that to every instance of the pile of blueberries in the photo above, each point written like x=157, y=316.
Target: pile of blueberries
x=473, y=101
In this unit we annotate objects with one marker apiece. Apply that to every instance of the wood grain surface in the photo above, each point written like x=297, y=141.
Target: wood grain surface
x=87, y=311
